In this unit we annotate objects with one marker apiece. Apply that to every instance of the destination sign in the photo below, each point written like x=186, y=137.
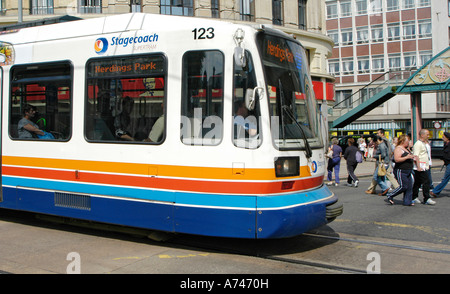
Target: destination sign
x=110, y=67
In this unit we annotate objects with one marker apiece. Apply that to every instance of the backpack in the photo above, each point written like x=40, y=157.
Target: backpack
x=358, y=157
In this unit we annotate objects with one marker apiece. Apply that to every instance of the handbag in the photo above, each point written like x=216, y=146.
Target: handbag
x=381, y=168
x=330, y=152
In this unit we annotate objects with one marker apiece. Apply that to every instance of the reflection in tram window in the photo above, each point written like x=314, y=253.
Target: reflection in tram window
x=41, y=97
x=246, y=128
x=125, y=99
x=202, y=98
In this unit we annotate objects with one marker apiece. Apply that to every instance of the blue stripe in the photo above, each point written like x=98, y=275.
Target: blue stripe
x=249, y=202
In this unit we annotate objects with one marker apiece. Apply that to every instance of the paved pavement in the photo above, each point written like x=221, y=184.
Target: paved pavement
x=366, y=169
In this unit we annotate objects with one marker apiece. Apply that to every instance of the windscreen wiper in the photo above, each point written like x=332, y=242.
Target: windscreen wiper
x=308, y=150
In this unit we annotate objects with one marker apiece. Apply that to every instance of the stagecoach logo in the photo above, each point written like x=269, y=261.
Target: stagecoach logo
x=139, y=43
x=101, y=45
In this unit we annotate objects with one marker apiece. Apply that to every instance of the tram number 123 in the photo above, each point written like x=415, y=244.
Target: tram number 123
x=202, y=33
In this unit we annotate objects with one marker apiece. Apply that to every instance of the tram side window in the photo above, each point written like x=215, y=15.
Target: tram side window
x=246, y=128
x=125, y=99
x=41, y=98
x=202, y=98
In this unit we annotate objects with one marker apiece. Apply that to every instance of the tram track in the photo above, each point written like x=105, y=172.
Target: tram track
x=371, y=242
x=327, y=252
x=308, y=257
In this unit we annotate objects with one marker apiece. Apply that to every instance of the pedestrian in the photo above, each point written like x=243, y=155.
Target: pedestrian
x=404, y=163
x=438, y=189
x=381, y=156
x=389, y=175
x=362, y=147
x=352, y=163
x=334, y=162
x=428, y=146
x=370, y=146
x=420, y=169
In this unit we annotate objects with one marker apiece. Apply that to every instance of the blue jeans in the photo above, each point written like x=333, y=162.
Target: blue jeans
x=380, y=180
x=438, y=189
x=336, y=164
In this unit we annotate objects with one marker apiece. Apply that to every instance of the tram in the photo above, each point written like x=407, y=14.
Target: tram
x=168, y=123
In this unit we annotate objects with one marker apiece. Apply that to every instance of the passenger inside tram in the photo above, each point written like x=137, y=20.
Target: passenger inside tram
x=27, y=128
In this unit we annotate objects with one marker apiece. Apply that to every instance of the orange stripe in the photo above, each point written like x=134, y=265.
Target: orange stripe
x=194, y=172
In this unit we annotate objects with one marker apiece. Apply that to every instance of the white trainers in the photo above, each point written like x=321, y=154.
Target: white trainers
x=417, y=201
x=430, y=202
x=356, y=183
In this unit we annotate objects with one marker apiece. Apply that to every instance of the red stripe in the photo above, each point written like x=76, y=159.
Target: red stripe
x=229, y=187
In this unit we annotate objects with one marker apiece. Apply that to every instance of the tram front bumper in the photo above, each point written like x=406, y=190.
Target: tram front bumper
x=334, y=210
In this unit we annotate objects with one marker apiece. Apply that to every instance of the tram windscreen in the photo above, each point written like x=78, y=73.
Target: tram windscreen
x=292, y=105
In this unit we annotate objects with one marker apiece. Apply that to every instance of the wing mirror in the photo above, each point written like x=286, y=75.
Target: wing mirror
x=251, y=95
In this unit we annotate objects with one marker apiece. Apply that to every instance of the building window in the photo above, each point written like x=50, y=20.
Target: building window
x=424, y=57
x=135, y=5
x=378, y=63
x=334, y=35
x=343, y=98
x=333, y=67
x=362, y=35
x=247, y=10
x=407, y=4
x=202, y=98
x=177, y=7
x=443, y=101
x=409, y=30
x=361, y=7
x=409, y=60
x=125, y=99
x=277, y=12
x=347, y=66
x=363, y=64
x=346, y=37
x=90, y=6
x=392, y=5
x=377, y=33
x=332, y=10
x=215, y=9
x=394, y=61
x=423, y=3
x=41, y=101
x=425, y=28
x=302, y=14
x=393, y=31
x=375, y=6
x=41, y=7
x=346, y=8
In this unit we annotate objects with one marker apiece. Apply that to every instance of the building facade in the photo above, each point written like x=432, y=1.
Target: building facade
x=302, y=18
x=382, y=42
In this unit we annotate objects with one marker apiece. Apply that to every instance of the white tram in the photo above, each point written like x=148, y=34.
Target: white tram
x=169, y=123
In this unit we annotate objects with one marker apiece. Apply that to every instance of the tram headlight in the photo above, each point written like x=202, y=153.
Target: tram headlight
x=287, y=166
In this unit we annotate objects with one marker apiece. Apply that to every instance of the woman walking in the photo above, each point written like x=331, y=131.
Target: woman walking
x=404, y=162
x=383, y=154
x=334, y=162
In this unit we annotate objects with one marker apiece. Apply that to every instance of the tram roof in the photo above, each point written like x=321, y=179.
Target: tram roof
x=72, y=26
x=39, y=22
